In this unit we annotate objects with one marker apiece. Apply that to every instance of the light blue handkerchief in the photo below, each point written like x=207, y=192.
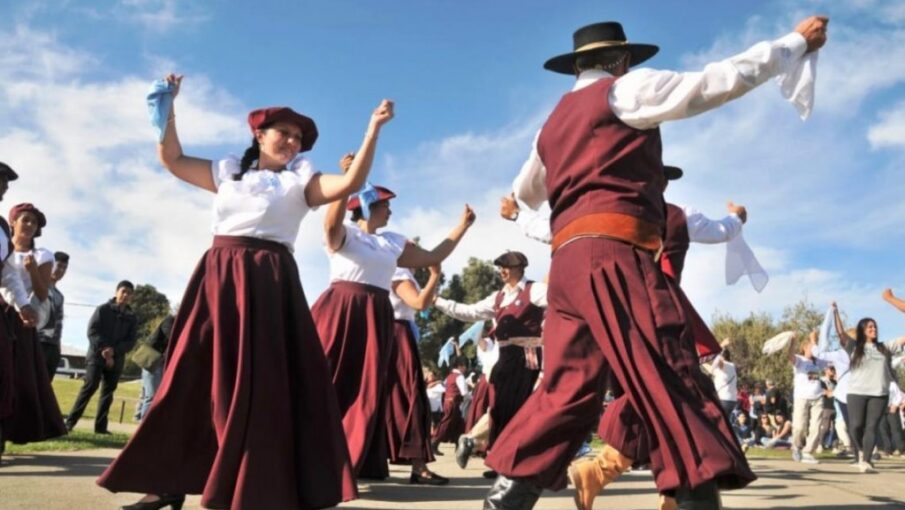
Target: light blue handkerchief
x=368, y=195
x=160, y=102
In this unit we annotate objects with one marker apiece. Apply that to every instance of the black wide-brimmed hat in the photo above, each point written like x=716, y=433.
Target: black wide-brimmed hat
x=599, y=37
x=672, y=172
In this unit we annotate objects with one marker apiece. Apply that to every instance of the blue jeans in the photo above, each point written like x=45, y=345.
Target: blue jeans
x=150, y=380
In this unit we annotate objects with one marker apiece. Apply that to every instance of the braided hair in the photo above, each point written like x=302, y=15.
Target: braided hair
x=251, y=154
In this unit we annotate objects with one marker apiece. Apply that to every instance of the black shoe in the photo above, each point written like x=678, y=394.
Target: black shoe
x=172, y=501
x=702, y=497
x=431, y=479
x=490, y=474
x=103, y=432
x=512, y=494
x=463, y=450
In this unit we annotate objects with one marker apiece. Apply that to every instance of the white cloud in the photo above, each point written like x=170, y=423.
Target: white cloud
x=161, y=15
x=889, y=131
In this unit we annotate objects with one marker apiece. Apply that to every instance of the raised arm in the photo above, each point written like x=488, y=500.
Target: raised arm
x=414, y=256
x=328, y=188
x=702, y=229
x=195, y=171
x=899, y=304
x=645, y=98
x=409, y=294
x=334, y=231
x=840, y=328
x=790, y=354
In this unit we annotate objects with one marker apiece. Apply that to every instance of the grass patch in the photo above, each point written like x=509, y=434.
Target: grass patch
x=74, y=441
x=124, y=399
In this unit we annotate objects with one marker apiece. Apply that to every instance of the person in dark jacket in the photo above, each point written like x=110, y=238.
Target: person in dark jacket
x=151, y=376
x=111, y=335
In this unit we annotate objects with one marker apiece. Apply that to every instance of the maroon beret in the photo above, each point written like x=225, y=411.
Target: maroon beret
x=511, y=259
x=27, y=207
x=382, y=194
x=264, y=117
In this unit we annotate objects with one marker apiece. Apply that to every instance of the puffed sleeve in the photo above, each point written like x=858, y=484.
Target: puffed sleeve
x=305, y=171
x=43, y=256
x=395, y=242
x=224, y=169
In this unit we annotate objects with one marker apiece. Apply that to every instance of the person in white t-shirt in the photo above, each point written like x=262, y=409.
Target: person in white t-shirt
x=807, y=400
x=725, y=380
x=245, y=413
x=354, y=315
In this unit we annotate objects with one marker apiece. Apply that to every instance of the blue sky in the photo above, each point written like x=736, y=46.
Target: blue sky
x=824, y=196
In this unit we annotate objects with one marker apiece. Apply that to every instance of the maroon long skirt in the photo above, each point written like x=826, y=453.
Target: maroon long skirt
x=408, y=416
x=452, y=424
x=480, y=401
x=245, y=414
x=609, y=304
x=511, y=383
x=6, y=370
x=34, y=414
x=355, y=324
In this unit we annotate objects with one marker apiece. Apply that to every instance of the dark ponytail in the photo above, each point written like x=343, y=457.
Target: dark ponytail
x=251, y=154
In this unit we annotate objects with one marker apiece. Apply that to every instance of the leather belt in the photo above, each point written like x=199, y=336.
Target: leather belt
x=622, y=227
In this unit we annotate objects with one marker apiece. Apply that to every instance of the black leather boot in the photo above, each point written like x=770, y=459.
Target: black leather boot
x=702, y=497
x=512, y=494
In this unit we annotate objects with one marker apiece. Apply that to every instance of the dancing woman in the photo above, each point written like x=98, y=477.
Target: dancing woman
x=245, y=414
x=408, y=414
x=35, y=412
x=354, y=315
x=870, y=373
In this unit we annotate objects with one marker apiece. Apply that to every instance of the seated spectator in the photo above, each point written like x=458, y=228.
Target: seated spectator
x=764, y=429
x=775, y=402
x=758, y=401
x=744, y=431
x=781, y=435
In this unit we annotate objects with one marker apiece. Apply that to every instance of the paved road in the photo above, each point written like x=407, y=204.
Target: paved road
x=58, y=481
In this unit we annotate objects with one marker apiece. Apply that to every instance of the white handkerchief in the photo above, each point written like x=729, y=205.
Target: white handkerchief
x=778, y=342
x=797, y=84
x=740, y=260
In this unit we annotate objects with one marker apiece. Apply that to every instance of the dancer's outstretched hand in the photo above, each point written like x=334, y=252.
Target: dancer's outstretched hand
x=509, y=208
x=468, y=216
x=888, y=295
x=176, y=81
x=813, y=29
x=345, y=162
x=382, y=114
x=738, y=210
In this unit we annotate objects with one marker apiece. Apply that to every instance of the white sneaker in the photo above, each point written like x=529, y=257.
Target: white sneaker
x=796, y=454
x=819, y=449
x=807, y=458
x=865, y=467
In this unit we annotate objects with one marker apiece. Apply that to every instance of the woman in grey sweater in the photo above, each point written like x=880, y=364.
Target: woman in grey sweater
x=869, y=378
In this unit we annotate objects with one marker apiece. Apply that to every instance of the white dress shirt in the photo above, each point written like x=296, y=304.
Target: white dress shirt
x=645, y=98
x=11, y=286
x=366, y=258
x=264, y=204
x=484, y=309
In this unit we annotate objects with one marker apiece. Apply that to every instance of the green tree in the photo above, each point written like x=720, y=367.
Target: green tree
x=150, y=307
x=478, y=280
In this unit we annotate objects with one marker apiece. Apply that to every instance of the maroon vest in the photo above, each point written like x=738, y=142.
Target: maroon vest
x=521, y=317
x=452, y=395
x=675, y=242
x=598, y=164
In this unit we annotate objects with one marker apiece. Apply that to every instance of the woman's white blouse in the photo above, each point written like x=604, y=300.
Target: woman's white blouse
x=366, y=258
x=16, y=262
x=264, y=204
x=402, y=311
